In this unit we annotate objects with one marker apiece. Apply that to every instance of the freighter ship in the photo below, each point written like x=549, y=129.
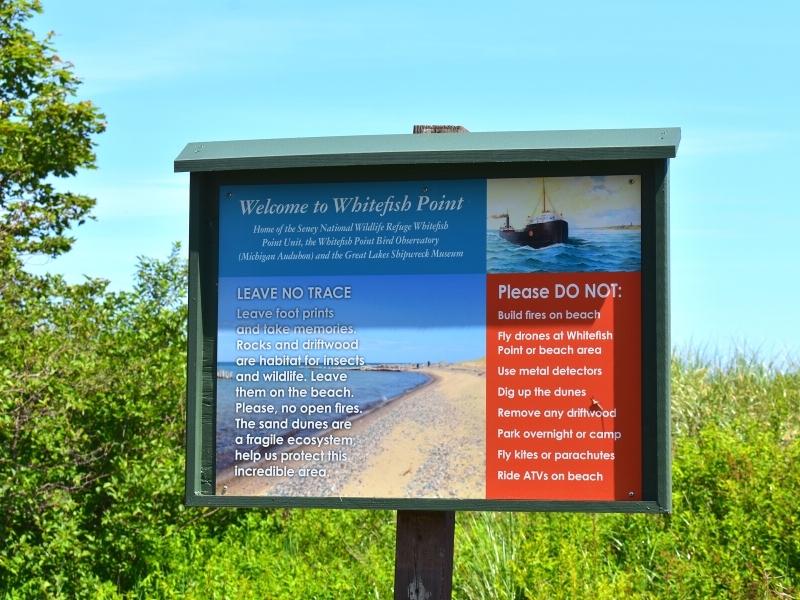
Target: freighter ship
x=542, y=230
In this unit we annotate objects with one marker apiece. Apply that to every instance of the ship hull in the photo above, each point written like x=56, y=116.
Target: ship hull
x=538, y=235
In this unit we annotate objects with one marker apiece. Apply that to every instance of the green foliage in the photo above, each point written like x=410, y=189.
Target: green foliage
x=283, y=555
x=745, y=390
x=91, y=408
x=489, y=556
x=44, y=133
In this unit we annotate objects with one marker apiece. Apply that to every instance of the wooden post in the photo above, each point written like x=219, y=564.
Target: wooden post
x=423, y=564
x=423, y=560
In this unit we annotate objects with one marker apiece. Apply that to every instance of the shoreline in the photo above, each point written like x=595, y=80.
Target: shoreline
x=422, y=443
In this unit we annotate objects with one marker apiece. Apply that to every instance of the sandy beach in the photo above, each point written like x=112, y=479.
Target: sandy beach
x=428, y=443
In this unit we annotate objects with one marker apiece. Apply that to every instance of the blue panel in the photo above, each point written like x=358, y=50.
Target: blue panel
x=409, y=227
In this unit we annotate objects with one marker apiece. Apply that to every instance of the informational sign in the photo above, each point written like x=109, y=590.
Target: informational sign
x=473, y=339
x=459, y=321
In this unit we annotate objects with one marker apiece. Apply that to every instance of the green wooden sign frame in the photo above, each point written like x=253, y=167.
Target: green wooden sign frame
x=643, y=152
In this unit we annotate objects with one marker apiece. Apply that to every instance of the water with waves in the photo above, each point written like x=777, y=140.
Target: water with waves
x=370, y=389
x=586, y=250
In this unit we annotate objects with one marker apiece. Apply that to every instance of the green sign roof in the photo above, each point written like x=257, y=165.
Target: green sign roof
x=441, y=148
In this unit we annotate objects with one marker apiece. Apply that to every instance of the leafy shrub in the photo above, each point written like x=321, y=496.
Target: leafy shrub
x=91, y=426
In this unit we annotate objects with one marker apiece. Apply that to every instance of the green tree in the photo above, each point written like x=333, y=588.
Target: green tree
x=91, y=431
x=45, y=133
x=91, y=383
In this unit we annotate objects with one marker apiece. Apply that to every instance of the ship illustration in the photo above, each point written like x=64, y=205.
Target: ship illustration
x=542, y=230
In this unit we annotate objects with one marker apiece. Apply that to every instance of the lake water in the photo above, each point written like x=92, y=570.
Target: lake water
x=586, y=250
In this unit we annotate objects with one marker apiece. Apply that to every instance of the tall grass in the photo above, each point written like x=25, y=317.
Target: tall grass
x=490, y=549
x=742, y=389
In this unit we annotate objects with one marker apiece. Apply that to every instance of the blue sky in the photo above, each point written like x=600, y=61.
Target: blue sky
x=726, y=73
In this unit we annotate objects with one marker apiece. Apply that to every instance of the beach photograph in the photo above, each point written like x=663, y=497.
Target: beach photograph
x=564, y=224
x=427, y=442
x=380, y=395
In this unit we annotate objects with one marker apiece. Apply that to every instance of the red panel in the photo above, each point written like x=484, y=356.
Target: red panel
x=563, y=398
